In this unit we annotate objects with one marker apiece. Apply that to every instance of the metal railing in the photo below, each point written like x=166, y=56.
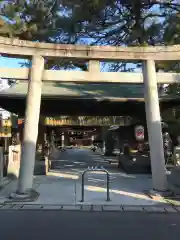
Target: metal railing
x=96, y=169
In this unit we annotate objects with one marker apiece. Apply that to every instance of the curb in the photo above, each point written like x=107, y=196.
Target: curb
x=89, y=208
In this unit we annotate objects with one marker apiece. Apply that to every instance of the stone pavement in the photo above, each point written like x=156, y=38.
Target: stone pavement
x=91, y=208
x=65, y=189
x=62, y=187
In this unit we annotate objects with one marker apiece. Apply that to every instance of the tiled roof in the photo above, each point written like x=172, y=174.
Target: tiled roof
x=88, y=90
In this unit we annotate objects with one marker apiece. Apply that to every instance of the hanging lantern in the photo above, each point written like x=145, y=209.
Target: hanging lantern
x=139, y=133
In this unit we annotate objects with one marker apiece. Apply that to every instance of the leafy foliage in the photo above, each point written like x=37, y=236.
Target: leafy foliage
x=172, y=37
x=100, y=22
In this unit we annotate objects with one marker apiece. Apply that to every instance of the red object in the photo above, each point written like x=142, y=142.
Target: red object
x=20, y=121
x=139, y=132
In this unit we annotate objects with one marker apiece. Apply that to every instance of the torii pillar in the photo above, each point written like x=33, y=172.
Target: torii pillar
x=153, y=119
x=25, y=181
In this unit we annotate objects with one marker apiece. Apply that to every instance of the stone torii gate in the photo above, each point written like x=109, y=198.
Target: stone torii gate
x=37, y=74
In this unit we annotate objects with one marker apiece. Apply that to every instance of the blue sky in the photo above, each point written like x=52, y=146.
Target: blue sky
x=10, y=62
x=16, y=63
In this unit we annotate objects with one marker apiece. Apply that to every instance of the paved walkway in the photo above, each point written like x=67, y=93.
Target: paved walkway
x=63, y=185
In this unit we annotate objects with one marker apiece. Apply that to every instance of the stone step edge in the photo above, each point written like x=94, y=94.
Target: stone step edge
x=91, y=208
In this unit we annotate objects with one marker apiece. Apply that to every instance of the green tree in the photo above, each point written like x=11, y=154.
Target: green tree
x=114, y=23
x=92, y=21
x=46, y=21
x=172, y=37
x=102, y=22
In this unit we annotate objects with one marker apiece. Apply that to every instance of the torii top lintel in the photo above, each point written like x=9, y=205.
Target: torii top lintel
x=11, y=46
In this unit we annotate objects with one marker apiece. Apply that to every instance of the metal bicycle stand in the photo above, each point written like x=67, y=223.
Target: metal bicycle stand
x=96, y=169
